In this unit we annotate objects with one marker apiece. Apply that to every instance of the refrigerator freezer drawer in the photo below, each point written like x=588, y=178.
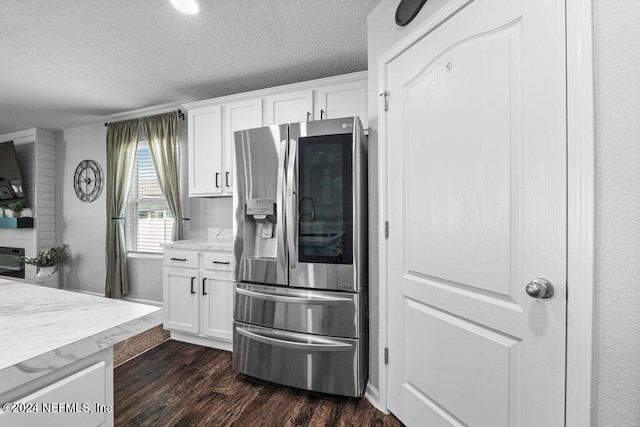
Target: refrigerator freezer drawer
x=306, y=311
x=323, y=364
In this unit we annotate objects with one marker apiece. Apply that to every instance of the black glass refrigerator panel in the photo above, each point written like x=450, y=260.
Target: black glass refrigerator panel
x=325, y=200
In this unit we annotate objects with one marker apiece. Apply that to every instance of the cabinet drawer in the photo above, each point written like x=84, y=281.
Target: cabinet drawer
x=217, y=261
x=180, y=259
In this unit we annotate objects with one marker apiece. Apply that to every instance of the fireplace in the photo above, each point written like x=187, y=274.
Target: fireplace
x=10, y=264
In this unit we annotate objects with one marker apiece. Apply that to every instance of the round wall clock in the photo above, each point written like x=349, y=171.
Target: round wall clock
x=88, y=180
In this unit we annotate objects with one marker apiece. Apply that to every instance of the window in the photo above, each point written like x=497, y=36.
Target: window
x=149, y=221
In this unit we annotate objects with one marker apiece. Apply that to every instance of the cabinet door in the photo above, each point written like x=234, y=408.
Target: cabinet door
x=181, y=300
x=343, y=100
x=205, y=151
x=290, y=107
x=237, y=116
x=217, y=291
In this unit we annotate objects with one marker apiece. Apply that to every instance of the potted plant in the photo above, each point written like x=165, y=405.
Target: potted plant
x=16, y=208
x=46, y=262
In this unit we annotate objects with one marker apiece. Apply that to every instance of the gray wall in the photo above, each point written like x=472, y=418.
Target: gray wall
x=616, y=392
x=83, y=225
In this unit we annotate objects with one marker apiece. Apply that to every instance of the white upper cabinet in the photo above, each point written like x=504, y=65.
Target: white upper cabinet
x=237, y=116
x=205, y=151
x=289, y=107
x=343, y=100
x=212, y=123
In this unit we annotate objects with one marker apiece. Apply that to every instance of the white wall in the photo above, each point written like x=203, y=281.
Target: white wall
x=83, y=225
x=616, y=393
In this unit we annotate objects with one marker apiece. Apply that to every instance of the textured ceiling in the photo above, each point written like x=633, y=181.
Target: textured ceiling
x=66, y=63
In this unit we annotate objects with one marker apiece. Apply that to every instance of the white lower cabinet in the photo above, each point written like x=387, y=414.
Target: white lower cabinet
x=217, y=316
x=77, y=395
x=181, y=300
x=198, y=301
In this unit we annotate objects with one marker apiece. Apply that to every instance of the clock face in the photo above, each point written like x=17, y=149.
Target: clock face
x=88, y=180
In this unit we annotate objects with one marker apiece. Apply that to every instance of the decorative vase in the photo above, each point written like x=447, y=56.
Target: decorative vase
x=44, y=273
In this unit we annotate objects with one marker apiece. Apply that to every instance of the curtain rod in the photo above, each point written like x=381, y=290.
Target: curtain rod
x=180, y=114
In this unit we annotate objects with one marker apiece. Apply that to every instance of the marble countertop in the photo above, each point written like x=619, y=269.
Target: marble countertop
x=43, y=329
x=203, y=244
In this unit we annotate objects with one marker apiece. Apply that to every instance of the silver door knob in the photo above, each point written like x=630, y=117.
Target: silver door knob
x=540, y=288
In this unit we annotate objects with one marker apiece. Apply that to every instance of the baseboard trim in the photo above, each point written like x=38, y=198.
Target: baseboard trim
x=206, y=342
x=372, y=395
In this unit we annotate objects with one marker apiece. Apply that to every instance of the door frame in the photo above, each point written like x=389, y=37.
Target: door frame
x=580, y=204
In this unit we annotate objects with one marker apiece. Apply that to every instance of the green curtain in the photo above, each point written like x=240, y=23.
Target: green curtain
x=162, y=137
x=122, y=143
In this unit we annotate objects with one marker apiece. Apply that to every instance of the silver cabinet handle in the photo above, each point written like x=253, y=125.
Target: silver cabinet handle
x=178, y=259
x=323, y=345
x=281, y=196
x=291, y=193
x=294, y=300
x=217, y=177
x=192, y=279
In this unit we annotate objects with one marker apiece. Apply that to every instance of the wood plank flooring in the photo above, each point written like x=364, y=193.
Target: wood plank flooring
x=179, y=384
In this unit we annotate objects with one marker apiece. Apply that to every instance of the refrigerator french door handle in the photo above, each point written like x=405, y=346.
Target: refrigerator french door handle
x=294, y=300
x=326, y=345
x=292, y=224
x=280, y=204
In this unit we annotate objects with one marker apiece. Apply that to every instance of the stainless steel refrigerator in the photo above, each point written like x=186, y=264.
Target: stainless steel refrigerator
x=300, y=248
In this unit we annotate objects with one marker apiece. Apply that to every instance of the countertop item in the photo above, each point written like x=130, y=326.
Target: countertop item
x=203, y=244
x=43, y=329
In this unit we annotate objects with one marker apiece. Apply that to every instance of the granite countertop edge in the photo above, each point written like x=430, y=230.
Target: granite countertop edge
x=202, y=244
x=43, y=364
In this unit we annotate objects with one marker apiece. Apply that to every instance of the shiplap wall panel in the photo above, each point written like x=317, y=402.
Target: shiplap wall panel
x=36, y=153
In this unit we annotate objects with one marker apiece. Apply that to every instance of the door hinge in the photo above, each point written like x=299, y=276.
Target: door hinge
x=385, y=98
x=386, y=229
x=386, y=356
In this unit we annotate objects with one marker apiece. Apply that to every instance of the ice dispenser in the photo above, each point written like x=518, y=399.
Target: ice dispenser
x=263, y=213
x=262, y=247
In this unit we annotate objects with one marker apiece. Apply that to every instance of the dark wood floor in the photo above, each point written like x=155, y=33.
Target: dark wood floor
x=179, y=384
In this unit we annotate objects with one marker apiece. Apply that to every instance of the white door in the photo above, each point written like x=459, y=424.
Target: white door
x=343, y=100
x=237, y=116
x=477, y=209
x=205, y=151
x=217, y=291
x=290, y=107
x=181, y=300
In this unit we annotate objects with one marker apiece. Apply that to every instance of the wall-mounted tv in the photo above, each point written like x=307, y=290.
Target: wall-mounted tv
x=11, y=184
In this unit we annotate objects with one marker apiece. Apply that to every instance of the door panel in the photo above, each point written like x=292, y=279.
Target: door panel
x=260, y=254
x=314, y=312
x=237, y=116
x=205, y=151
x=311, y=362
x=477, y=209
x=326, y=187
x=290, y=107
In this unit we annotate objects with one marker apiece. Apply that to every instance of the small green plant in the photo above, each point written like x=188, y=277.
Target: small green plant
x=49, y=257
x=17, y=206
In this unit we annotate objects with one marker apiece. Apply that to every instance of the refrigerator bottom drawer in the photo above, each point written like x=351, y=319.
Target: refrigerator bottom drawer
x=310, y=362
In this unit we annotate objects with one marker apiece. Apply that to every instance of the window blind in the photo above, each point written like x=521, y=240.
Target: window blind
x=149, y=221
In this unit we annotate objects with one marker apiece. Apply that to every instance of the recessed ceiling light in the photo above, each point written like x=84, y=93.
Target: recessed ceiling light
x=190, y=7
